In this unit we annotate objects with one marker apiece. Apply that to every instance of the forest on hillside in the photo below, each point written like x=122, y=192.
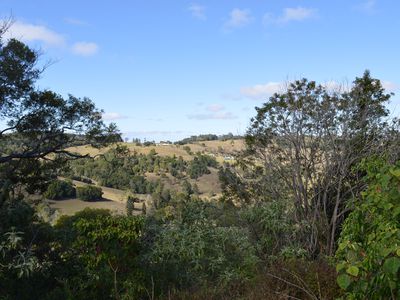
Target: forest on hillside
x=310, y=209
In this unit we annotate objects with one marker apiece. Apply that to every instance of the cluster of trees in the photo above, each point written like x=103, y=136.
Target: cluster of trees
x=89, y=193
x=319, y=177
x=208, y=137
x=60, y=189
x=199, y=166
x=306, y=148
x=118, y=168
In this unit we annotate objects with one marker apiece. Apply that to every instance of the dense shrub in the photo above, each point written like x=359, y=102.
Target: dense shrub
x=89, y=193
x=270, y=228
x=369, y=245
x=60, y=189
x=81, y=178
x=294, y=279
x=101, y=253
x=199, y=165
x=192, y=251
x=130, y=205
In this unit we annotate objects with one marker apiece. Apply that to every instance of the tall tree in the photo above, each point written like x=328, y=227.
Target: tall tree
x=37, y=126
x=303, y=146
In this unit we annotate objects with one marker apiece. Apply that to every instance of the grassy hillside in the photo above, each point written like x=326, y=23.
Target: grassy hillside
x=220, y=149
x=115, y=199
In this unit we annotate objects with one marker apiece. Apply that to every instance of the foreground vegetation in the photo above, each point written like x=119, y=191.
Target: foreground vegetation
x=310, y=210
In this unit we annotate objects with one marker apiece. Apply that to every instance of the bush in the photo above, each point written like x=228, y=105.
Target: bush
x=369, y=245
x=193, y=252
x=89, y=193
x=130, y=205
x=81, y=178
x=60, y=189
x=294, y=279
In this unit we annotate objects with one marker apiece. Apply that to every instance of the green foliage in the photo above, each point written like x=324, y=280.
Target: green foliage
x=27, y=255
x=199, y=165
x=65, y=224
x=188, y=150
x=295, y=279
x=369, y=246
x=89, y=193
x=60, y=189
x=121, y=169
x=101, y=255
x=37, y=122
x=302, y=147
x=111, y=245
x=207, y=137
x=192, y=250
x=271, y=229
x=187, y=188
x=130, y=205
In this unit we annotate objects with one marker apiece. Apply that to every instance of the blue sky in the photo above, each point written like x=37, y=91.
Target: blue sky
x=170, y=69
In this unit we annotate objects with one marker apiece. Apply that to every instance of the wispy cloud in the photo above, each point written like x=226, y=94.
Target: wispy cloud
x=85, y=48
x=260, y=91
x=34, y=33
x=198, y=11
x=112, y=116
x=213, y=116
x=368, y=6
x=390, y=86
x=77, y=22
x=291, y=14
x=238, y=18
x=215, y=107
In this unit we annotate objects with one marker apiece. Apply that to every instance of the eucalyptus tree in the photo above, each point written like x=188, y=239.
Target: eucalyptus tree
x=37, y=126
x=303, y=147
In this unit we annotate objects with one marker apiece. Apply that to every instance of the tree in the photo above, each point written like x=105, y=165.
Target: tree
x=303, y=145
x=60, y=189
x=37, y=127
x=130, y=205
x=106, y=248
x=89, y=193
x=40, y=124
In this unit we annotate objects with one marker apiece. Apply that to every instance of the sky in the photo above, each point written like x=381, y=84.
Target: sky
x=164, y=70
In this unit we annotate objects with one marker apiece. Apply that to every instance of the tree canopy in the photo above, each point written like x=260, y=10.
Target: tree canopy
x=39, y=125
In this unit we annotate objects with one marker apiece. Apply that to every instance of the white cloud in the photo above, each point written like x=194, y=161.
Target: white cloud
x=260, y=91
x=198, y=11
x=388, y=85
x=77, y=22
x=112, y=116
x=215, y=107
x=291, y=14
x=34, y=33
x=238, y=18
x=85, y=48
x=213, y=116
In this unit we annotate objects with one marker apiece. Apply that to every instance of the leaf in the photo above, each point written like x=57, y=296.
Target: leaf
x=353, y=271
x=396, y=211
x=395, y=173
x=343, y=281
x=391, y=265
x=340, y=267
